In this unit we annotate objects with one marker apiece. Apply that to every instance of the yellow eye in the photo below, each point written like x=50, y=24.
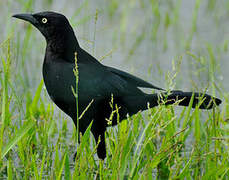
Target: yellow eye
x=44, y=20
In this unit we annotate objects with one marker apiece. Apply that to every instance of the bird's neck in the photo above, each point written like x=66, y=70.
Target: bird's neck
x=63, y=45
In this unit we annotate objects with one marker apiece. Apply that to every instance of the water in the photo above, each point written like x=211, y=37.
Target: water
x=212, y=28
x=150, y=59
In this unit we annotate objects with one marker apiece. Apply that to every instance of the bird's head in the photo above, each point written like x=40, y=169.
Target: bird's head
x=48, y=23
x=57, y=31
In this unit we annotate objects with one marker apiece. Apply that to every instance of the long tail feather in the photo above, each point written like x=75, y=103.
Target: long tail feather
x=204, y=101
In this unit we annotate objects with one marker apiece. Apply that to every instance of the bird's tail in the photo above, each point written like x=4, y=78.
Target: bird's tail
x=137, y=103
x=203, y=101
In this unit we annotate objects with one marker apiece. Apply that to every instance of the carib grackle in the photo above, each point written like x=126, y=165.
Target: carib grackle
x=98, y=84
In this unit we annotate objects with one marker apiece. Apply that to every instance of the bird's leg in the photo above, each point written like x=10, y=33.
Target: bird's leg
x=99, y=136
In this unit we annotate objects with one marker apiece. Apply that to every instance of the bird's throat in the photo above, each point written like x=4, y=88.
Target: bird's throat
x=63, y=47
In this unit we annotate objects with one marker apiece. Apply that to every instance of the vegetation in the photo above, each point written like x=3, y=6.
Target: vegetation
x=175, y=44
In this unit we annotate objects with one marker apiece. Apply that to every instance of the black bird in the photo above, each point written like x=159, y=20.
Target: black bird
x=98, y=84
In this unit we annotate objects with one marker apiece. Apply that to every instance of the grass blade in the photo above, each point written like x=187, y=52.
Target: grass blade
x=19, y=135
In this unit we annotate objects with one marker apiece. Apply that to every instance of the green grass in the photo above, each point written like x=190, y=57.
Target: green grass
x=37, y=141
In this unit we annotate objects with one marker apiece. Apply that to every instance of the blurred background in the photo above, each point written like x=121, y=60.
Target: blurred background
x=173, y=44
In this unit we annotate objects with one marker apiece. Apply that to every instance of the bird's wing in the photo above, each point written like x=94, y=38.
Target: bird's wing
x=132, y=79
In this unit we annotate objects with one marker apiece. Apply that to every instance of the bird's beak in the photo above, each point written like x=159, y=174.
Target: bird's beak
x=26, y=17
